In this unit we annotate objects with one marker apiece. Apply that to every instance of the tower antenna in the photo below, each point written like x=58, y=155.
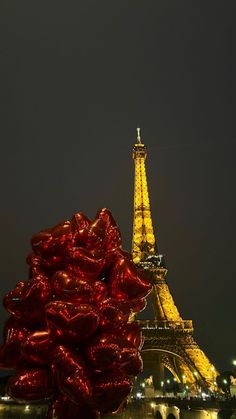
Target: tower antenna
x=138, y=136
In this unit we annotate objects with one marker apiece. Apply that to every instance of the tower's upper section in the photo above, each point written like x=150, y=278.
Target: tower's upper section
x=143, y=244
x=139, y=150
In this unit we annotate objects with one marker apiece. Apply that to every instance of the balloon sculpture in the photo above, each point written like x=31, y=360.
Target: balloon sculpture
x=68, y=335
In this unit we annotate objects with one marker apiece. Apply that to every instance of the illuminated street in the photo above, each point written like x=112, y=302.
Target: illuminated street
x=12, y=411
x=140, y=409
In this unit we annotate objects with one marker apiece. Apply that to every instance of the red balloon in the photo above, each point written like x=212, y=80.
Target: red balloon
x=108, y=350
x=37, y=348
x=106, y=216
x=63, y=408
x=112, y=237
x=54, y=241
x=103, y=352
x=71, y=322
x=111, y=390
x=110, y=259
x=14, y=335
x=82, y=289
x=127, y=351
x=27, y=300
x=84, y=263
x=132, y=333
x=138, y=305
x=126, y=283
x=41, y=266
x=96, y=235
x=134, y=366
x=38, y=265
x=72, y=376
x=70, y=287
x=100, y=292
x=113, y=313
x=80, y=224
x=30, y=384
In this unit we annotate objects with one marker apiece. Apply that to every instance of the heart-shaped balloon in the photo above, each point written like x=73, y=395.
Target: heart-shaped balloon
x=103, y=352
x=83, y=288
x=63, y=408
x=37, y=348
x=111, y=390
x=113, y=313
x=38, y=265
x=72, y=375
x=30, y=384
x=14, y=335
x=85, y=263
x=27, y=300
x=112, y=232
x=54, y=241
x=138, y=305
x=46, y=265
x=134, y=366
x=126, y=283
x=80, y=224
x=127, y=351
x=96, y=235
x=132, y=333
x=100, y=292
x=41, y=266
x=70, y=287
x=110, y=259
x=71, y=322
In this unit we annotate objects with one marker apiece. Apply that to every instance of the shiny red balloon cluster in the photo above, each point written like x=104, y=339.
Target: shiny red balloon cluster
x=69, y=336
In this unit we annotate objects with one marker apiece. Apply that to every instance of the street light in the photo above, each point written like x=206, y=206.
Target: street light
x=234, y=362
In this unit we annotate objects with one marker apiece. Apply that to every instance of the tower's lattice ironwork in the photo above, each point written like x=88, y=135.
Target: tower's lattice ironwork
x=169, y=339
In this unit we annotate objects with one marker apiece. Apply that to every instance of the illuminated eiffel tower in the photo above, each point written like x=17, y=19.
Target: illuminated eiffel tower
x=169, y=341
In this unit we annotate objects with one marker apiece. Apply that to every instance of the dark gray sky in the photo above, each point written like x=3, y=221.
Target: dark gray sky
x=76, y=80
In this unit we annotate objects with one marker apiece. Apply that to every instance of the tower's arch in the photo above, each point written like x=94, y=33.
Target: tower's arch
x=156, y=358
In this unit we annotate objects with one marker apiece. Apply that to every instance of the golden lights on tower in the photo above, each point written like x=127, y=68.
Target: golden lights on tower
x=170, y=335
x=143, y=243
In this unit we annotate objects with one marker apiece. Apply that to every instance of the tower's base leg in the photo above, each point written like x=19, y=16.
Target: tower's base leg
x=158, y=373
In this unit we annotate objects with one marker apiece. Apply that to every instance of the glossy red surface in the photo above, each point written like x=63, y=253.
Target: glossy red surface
x=30, y=384
x=71, y=322
x=111, y=390
x=37, y=348
x=14, y=335
x=27, y=300
x=82, y=289
x=126, y=283
x=72, y=377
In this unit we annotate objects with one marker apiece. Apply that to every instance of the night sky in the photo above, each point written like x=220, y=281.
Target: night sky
x=77, y=78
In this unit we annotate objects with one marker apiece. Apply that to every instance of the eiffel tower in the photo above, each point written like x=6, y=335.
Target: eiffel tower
x=169, y=342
